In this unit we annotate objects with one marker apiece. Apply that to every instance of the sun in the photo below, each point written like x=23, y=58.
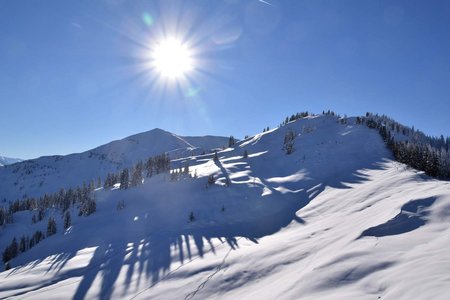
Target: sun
x=171, y=58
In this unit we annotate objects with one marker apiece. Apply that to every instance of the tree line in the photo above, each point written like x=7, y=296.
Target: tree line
x=412, y=147
x=133, y=177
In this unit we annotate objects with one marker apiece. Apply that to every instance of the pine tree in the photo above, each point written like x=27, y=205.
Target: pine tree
x=11, y=251
x=231, y=141
x=245, y=154
x=149, y=167
x=124, y=179
x=289, y=142
x=22, y=244
x=191, y=217
x=136, y=177
x=51, y=227
x=67, y=220
x=41, y=214
x=186, y=169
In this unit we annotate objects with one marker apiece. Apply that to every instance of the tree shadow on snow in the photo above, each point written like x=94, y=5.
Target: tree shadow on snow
x=144, y=257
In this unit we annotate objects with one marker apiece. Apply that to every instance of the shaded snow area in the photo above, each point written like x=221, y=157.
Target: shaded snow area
x=336, y=219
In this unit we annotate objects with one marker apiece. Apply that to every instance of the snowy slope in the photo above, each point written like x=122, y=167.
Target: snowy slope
x=48, y=174
x=336, y=219
x=8, y=160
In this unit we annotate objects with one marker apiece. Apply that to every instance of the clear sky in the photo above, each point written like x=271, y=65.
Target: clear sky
x=76, y=74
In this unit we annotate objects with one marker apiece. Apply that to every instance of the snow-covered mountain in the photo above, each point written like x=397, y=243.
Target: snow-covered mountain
x=8, y=160
x=337, y=218
x=50, y=173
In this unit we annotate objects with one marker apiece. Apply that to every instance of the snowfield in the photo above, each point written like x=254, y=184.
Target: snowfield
x=47, y=174
x=336, y=219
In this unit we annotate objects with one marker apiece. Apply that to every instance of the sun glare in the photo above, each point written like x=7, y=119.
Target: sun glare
x=171, y=58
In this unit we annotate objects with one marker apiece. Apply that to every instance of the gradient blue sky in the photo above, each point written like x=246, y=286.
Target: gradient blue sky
x=74, y=74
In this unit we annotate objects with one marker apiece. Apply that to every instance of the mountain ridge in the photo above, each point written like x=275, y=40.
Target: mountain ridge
x=47, y=174
x=328, y=219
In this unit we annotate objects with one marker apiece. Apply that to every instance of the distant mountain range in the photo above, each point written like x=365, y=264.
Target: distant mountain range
x=48, y=174
x=8, y=160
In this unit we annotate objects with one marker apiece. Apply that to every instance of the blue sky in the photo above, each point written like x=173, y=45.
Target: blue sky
x=74, y=74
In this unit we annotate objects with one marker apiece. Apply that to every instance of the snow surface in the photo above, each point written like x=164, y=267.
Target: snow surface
x=336, y=219
x=50, y=173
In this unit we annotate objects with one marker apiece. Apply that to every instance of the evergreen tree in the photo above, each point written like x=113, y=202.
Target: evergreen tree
x=124, y=179
x=245, y=154
x=41, y=214
x=51, y=227
x=136, y=177
x=231, y=141
x=149, y=165
x=22, y=244
x=67, y=220
x=11, y=251
x=289, y=142
x=186, y=169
